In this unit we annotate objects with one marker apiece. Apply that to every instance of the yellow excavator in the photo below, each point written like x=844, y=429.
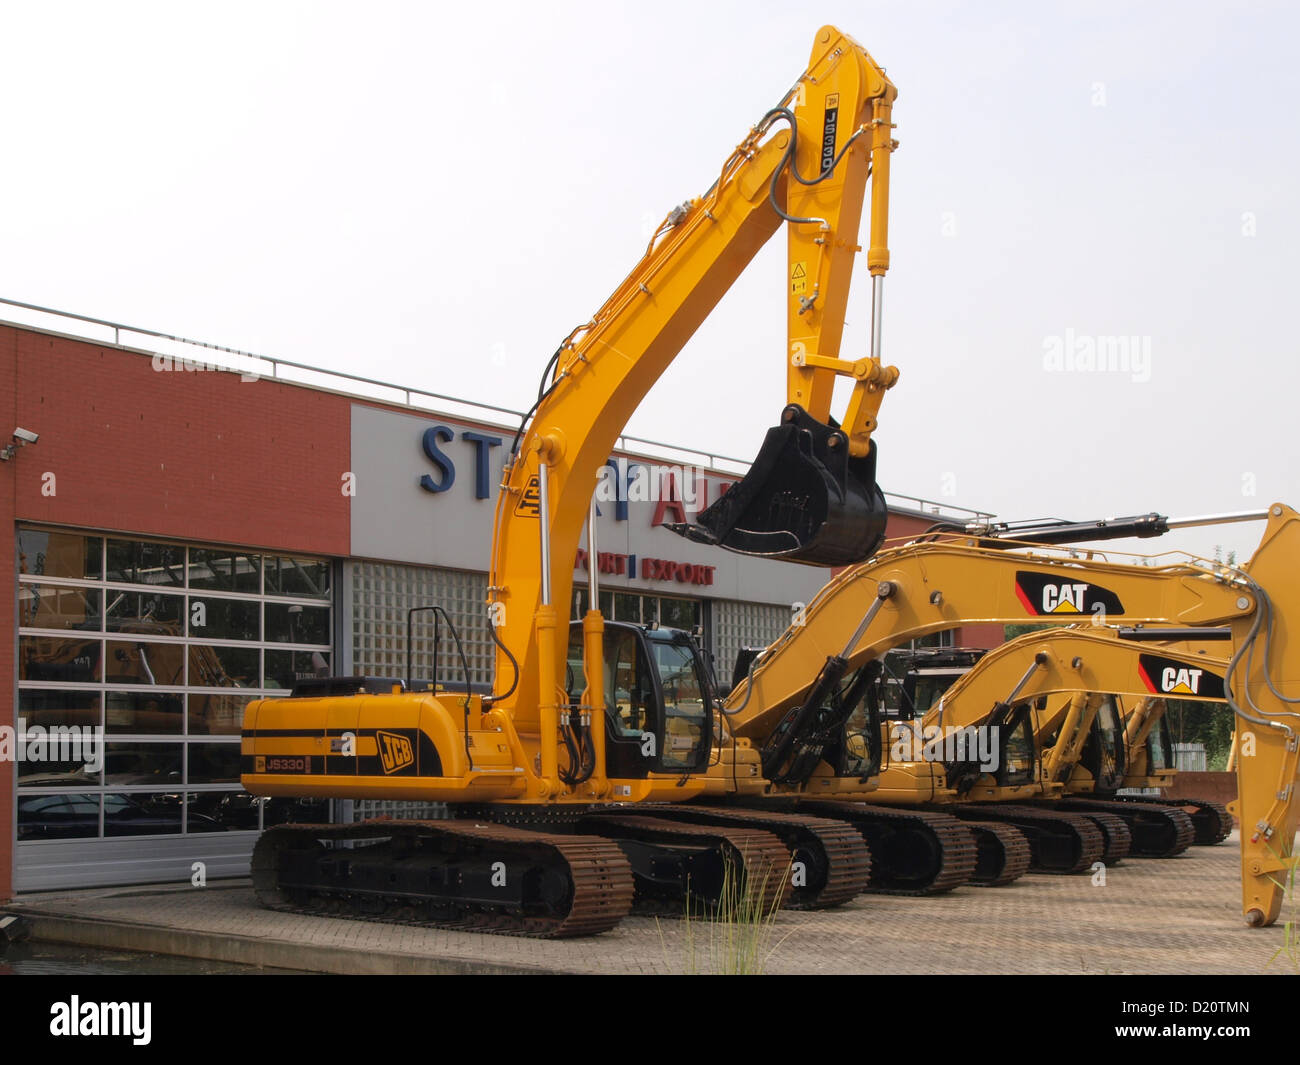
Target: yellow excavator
x=553, y=775
x=526, y=772
x=801, y=724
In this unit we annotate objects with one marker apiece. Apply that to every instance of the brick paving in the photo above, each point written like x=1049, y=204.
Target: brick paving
x=1174, y=916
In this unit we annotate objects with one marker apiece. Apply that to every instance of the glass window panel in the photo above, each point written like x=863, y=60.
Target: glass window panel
x=54, y=754
x=627, y=607
x=283, y=668
x=47, y=708
x=220, y=811
x=59, y=658
x=217, y=715
x=214, y=763
x=57, y=816
x=225, y=619
x=136, y=763
x=143, y=712
x=59, y=554
x=147, y=613
x=225, y=570
x=49, y=606
x=142, y=815
x=224, y=667
x=292, y=623
x=143, y=562
x=306, y=577
x=679, y=614
x=141, y=663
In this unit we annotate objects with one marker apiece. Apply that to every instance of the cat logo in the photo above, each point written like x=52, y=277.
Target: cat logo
x=1180, y=681
x=1167, y=676
x=395, y=751
x=1042, y=593
x=1063, y=598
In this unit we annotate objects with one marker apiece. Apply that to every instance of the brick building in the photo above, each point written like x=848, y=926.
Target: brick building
x=187, y=538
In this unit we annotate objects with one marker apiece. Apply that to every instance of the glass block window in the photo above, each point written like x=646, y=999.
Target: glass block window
x=382, y=596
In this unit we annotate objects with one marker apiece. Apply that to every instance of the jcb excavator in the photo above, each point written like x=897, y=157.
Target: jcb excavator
x=522, y=754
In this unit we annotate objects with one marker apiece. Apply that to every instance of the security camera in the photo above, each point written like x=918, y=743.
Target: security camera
x=23, y=437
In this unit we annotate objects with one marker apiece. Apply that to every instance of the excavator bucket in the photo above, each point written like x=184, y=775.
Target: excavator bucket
x=805, y=499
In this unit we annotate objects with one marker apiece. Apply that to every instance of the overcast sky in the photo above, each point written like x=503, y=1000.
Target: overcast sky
x=436, y=194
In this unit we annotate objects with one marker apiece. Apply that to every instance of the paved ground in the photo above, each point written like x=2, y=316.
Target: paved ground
x=1174, y=916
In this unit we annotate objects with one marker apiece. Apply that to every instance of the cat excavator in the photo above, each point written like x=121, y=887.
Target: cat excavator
x=800, y=721
x=535, y=847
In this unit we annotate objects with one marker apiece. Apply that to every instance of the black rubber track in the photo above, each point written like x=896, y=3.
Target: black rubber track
x=1004, y=855
x=1060, y=842
x=912, y=852
x=836, y=860
x=599, y=895
x=1158, y=831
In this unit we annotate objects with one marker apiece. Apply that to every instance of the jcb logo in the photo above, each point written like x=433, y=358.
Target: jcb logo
x=1064, y=598
x=1180, y=681
x=395, y=751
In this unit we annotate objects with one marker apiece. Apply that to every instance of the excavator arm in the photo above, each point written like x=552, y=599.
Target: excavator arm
x=811, y=496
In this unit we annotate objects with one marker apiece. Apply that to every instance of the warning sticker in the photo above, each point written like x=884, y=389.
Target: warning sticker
x=530, y=503
x=799, y=279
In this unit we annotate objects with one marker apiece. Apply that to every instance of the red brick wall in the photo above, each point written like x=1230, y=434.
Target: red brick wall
x=211, y=457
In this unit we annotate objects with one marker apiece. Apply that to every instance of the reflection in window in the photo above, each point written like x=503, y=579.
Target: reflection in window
x=142, y=815
x=59, y=554
x=225, y=571
x=285, y=668
x=223, y=667
x=57, y=816
x=224, y=619
x=214, y=763
x=143, y=562
x=142, y=763
x=307, y=578
x=143, y=712
x=59, y=658
x=141, y=663
x=217, y=715
x=49, y=708
x=51, y=606
x=292, y=623
x=146, y=613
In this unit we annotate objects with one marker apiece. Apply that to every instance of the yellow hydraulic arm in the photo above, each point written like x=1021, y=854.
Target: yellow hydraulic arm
x=805, y=164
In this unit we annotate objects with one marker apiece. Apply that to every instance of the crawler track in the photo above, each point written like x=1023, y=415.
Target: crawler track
x=836, y=862
x=1115, y=835
x=1159, y=831
x=1210, y=820
x=708, y=868
x=912, y=852
x=1003, y=853
x=1059, y=842
x=446, y=874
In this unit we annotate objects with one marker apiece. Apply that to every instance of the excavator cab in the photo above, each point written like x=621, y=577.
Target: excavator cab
x=805, y=499
x=658, y=708
x=1103, y=750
